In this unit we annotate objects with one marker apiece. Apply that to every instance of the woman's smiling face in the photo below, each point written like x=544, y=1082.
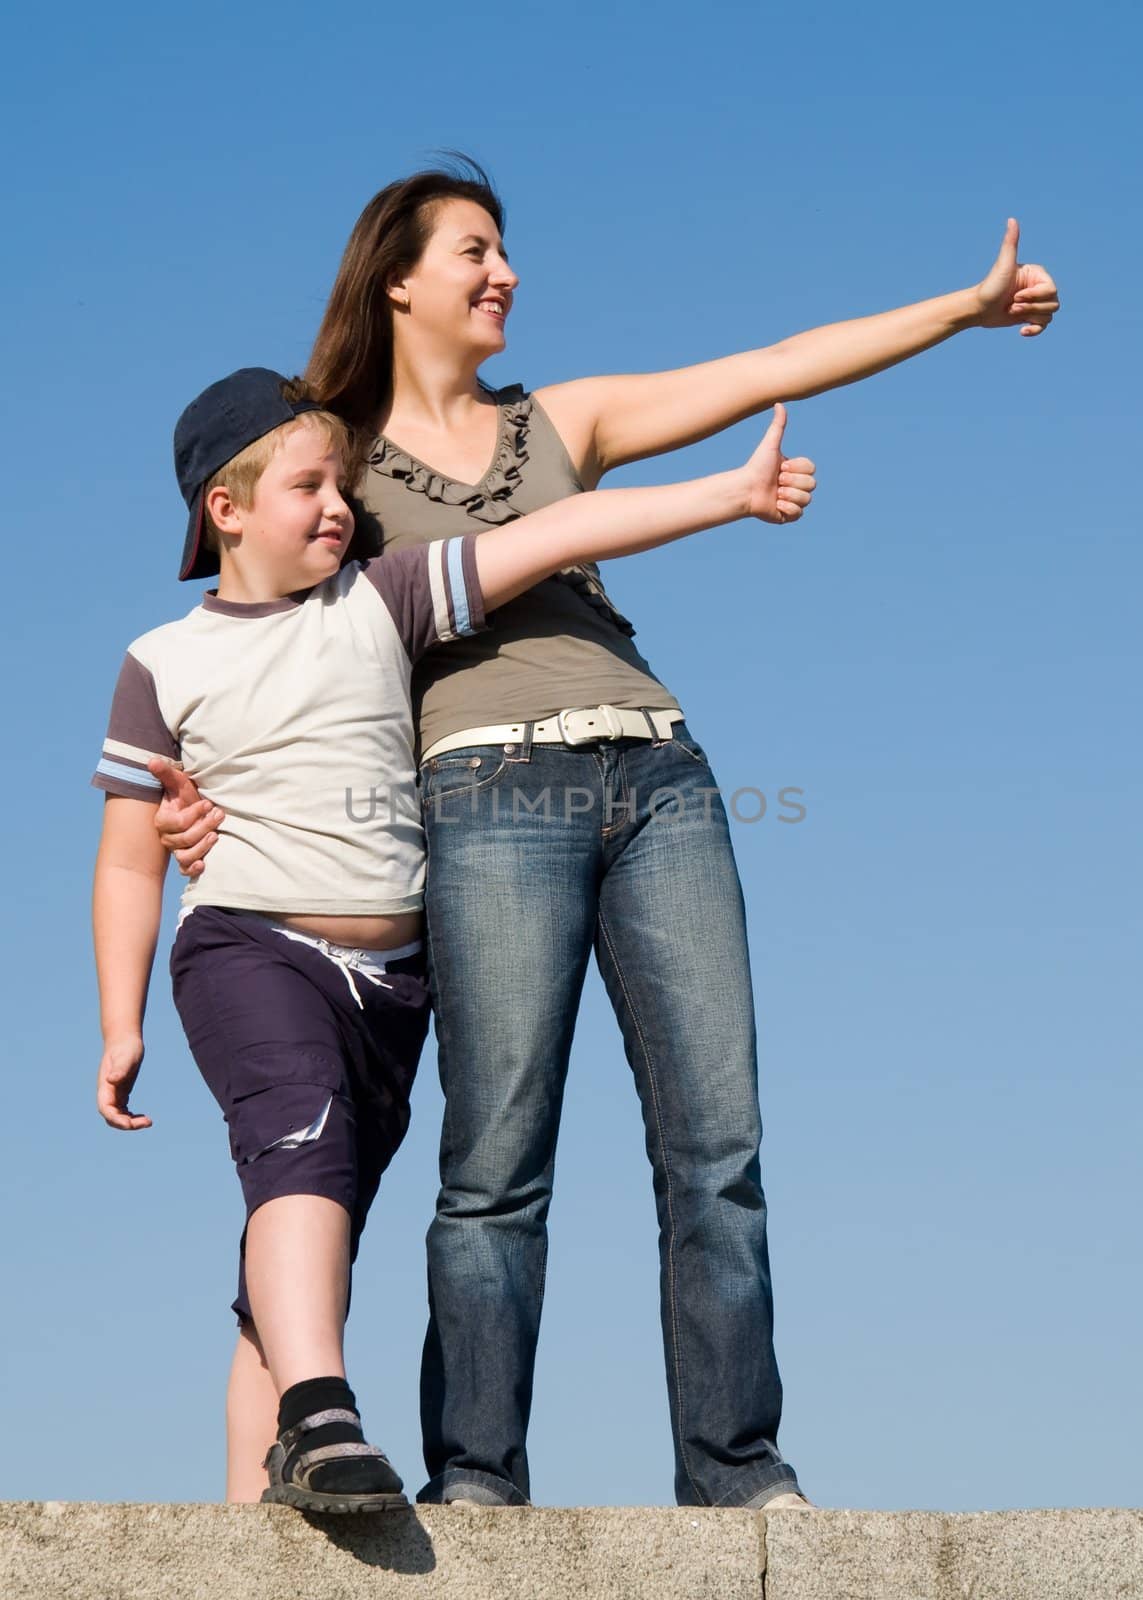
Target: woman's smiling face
x=461, y=289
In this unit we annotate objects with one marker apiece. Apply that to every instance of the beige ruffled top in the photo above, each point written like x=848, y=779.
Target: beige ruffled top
x=562, y=644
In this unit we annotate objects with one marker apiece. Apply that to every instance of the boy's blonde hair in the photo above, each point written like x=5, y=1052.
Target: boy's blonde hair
x=241, y=473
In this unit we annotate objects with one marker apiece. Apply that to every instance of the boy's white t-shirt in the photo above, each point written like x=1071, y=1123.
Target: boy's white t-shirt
x=295, y=716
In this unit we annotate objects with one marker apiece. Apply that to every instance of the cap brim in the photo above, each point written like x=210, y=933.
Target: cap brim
x=198, y=561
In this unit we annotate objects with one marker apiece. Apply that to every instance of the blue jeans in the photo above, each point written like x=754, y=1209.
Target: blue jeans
x=537, y=855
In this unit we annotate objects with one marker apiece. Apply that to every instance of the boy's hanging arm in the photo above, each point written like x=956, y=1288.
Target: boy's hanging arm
x=127, y=907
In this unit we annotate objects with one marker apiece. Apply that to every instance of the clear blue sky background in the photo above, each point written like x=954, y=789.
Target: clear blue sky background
x=944, y=655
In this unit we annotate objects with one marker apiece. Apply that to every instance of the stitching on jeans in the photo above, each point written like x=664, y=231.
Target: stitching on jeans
x=681, y=745
x=608, y=832
x=637, y=1025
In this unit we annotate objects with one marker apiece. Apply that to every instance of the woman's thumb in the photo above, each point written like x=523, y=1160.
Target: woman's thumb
x=1009, y=245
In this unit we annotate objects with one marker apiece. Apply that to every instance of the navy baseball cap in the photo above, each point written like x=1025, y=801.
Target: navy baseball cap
x=212, y=430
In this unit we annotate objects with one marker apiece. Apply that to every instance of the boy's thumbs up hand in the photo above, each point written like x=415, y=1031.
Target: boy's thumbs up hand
x=779, y=488
x=1015, y=295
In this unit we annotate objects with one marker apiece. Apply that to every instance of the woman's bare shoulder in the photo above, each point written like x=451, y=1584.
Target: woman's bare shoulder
x=573, y=410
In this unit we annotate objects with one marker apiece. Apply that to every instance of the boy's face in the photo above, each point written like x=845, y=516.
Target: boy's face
x=297, y=530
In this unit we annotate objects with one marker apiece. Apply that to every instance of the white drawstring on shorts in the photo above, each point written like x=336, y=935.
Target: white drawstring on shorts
x=371, y=965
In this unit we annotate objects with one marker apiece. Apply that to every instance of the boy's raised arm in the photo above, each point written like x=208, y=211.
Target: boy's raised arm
x=126, y=908
x=620, y=522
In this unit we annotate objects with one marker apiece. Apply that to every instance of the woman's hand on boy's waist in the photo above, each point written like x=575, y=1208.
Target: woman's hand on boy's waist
x=186, y=823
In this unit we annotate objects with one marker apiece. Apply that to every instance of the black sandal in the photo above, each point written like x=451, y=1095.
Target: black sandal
x=366, y=1481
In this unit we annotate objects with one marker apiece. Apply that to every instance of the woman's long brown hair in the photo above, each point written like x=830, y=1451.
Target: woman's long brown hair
x=350, y=369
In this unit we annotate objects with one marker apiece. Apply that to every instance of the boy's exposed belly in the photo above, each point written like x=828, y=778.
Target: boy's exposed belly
x=361, y=933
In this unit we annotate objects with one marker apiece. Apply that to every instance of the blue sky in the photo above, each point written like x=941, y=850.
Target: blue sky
x=944, y=655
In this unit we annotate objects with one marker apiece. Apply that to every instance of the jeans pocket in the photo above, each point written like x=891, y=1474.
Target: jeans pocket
x=688, y=746
x=445, y=776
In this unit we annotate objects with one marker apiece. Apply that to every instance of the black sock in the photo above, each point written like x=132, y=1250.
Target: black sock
x=353, y=1475
x=314, y=1394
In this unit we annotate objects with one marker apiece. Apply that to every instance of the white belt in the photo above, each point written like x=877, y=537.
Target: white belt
x=581, y=725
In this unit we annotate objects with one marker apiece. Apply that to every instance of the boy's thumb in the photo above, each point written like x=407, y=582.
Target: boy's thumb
x=777, y=425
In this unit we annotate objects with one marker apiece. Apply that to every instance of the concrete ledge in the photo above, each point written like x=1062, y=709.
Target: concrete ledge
x=1012, y=1555
x=62, y=1551
x=211, y=1552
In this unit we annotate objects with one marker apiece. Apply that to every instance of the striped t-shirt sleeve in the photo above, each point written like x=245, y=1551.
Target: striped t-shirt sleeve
x=431, y=590
x=136, y=732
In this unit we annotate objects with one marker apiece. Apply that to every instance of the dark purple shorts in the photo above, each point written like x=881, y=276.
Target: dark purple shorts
x=314, y=1088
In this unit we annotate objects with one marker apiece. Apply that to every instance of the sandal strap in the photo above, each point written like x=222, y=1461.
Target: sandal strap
x=316, y=1419
x=305, y=1464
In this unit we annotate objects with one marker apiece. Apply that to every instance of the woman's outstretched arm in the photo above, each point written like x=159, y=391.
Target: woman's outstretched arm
x=608, y=421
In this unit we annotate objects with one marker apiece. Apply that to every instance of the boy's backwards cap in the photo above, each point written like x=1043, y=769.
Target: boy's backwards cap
x=212, y=430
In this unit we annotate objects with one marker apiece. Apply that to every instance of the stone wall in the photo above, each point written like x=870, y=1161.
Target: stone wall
x=62, y=1551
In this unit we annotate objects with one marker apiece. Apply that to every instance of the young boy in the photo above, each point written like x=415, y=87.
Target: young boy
x=297, y=966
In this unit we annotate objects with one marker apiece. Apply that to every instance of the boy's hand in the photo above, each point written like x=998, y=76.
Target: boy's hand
x=185, y=821
x=118, y=1070
x=1016, y=296
x=778, y=487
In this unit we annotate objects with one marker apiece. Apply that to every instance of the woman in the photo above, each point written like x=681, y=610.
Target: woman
x=545, y=744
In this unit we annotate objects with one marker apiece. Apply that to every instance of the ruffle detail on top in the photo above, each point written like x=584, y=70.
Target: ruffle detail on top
x=586, y=582
x=490, y=500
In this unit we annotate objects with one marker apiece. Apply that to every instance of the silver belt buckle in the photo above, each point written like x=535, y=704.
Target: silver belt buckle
x=612, y=727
